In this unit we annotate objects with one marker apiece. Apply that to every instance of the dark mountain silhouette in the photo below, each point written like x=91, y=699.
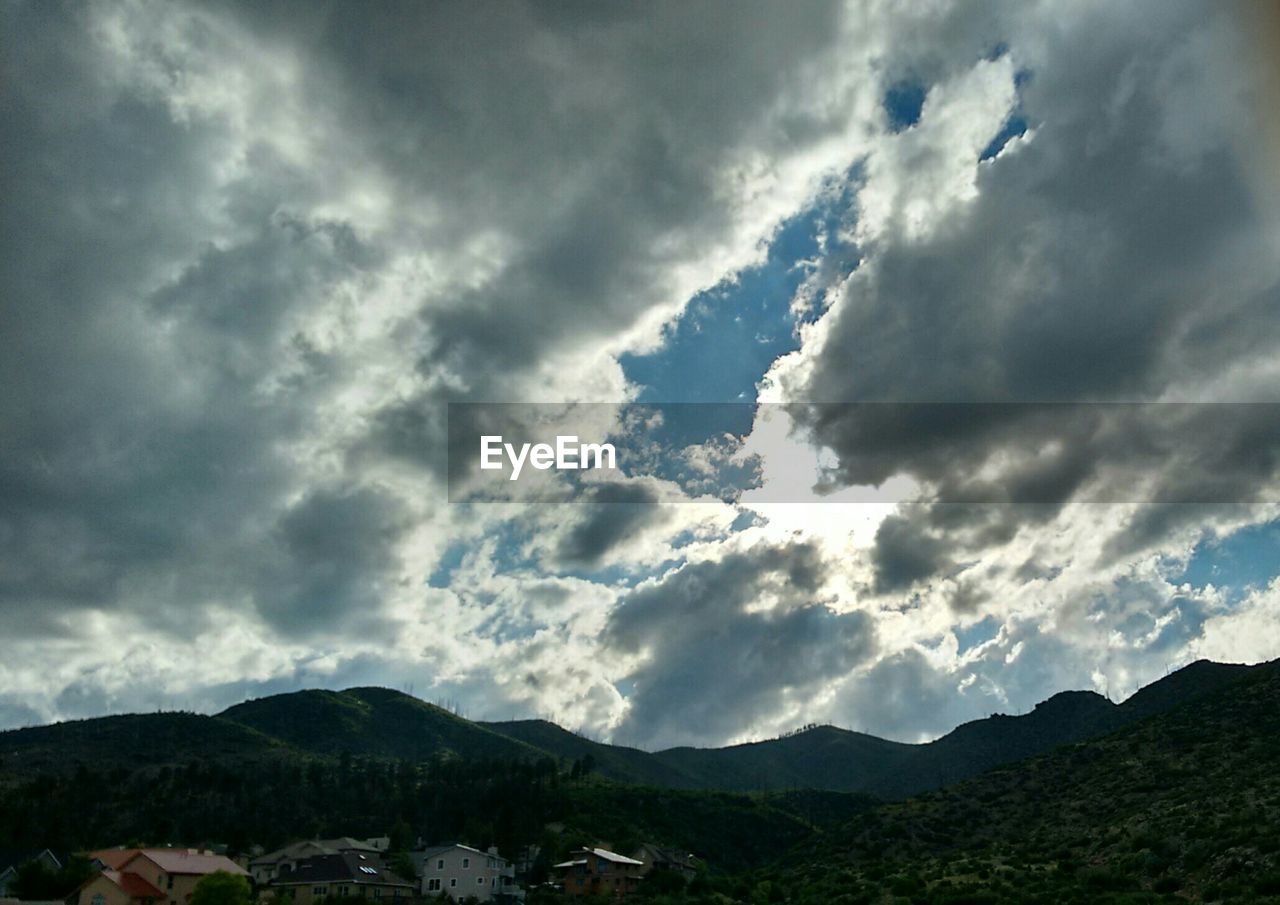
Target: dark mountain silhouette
x=375, y=722
x=380, y=723
x=1180, y=805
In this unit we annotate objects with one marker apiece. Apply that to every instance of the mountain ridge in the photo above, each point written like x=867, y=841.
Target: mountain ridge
x=382, y=723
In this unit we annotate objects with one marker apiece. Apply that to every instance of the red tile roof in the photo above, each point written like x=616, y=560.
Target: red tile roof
x=115, y=858
x=188, y=861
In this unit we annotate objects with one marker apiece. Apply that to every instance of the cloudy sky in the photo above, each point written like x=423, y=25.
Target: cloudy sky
x=251, y=253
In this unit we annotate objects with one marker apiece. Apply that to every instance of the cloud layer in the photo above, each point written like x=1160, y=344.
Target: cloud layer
x=251, y=252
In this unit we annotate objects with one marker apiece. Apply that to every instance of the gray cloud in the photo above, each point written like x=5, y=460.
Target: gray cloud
x=726, y=643
x=250, y=251
x=1120, y=253
x=613, y=516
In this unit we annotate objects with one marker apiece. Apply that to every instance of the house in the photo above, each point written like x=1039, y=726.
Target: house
x=345, y=875
x=600, y=872
x=668, y=859
x=151, y=876
x=461, y=872
x=111, y=887
x=266, y=868
x=10, y=861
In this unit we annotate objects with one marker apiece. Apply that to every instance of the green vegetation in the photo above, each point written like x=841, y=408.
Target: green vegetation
x=1181, y=807
x=1180, y=803
x=222, y=888
x=509, y=803
x=376, y=723
x=39, y=882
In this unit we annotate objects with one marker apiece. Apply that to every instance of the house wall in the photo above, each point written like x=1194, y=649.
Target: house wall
x=312, y=893
x=176, y=887
x=101, y=886
x=600, y=876
x=461, y=873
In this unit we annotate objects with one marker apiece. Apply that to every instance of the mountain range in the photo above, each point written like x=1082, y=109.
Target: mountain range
x=381, y=723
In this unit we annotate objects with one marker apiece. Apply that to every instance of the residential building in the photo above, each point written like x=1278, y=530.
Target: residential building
x=461, y=872
x=344, y=875
x=266, y=868
x=151, y=876
x=668, y=859
x=600, y=872
x=111, y=887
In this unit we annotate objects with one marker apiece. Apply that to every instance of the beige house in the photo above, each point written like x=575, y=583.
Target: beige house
x=111, y=887
x=152, y=876
x=462, y=872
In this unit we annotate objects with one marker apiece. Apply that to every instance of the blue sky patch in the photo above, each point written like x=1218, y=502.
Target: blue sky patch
x=1248, y=558
x=903, y=102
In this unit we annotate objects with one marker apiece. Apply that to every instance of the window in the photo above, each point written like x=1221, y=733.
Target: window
x=99, y=899
x=440, y=864
x=466, y=862
x=453, y=881
x=433, y=885
x=317, y=890
x=377, y=893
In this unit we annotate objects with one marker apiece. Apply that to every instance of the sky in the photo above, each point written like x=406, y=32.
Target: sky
x=251, y=253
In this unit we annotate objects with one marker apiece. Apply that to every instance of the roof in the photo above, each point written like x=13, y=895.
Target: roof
x=309, y=847
x=18, y=857
x=133, y=885
x=431, y=850
x=114, y=857
x=347, y=867
x=666, y=855
x=612, y=856
x=188, y=861
x=574, y=863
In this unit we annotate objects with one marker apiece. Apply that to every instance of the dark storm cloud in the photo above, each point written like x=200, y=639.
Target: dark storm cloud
x=617, y=515
x=334, y=551
x=1119, y=254
x=904, y=554
x=726, y=643
x=594, y=138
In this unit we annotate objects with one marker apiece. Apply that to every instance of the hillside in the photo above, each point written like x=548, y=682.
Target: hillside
x=380, y=723
x=831, y=758
x=130, y=741
x=1183, y=805
x=1177, y=792
x=612, y=761
x=373, y=722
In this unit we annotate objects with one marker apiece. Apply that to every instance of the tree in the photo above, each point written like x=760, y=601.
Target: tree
x=222, y=888
x=36, y=880
x=401, y=839
x=402, y=865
